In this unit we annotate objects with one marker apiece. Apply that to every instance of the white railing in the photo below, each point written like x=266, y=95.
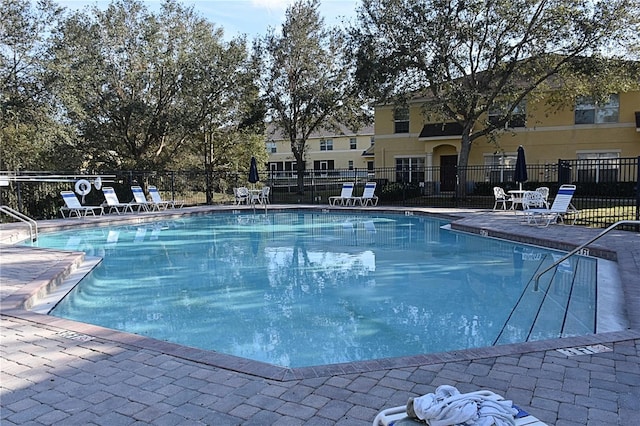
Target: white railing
x=580, y=248
x=33, y=225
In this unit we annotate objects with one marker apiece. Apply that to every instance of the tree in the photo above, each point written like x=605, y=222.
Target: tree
x=307, y=80
x=466, y=57
x=30, y=135
x=144, y=88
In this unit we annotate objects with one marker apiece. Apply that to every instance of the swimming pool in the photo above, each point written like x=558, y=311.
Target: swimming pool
x=301, y=289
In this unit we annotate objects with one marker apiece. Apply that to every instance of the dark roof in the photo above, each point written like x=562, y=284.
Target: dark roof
x=368, y=152
x=441, y=129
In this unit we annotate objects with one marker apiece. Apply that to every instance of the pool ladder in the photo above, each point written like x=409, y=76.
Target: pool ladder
x=33, y=225
x=580, y=248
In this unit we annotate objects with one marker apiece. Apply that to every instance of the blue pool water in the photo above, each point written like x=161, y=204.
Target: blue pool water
x=298, y=288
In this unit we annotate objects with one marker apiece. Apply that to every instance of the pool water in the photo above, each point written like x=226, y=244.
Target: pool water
x=298, y=288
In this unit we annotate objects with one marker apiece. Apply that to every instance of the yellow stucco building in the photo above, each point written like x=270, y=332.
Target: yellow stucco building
x=326, y=150
x=405, y=139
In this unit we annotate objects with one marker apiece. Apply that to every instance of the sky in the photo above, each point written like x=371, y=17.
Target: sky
x=250, y=17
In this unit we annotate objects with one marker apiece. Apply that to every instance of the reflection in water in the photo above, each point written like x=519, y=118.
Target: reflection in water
x=298, y=289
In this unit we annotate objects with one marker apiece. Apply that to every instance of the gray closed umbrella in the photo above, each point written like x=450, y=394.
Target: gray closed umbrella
x=253, y=171
x=520, y=174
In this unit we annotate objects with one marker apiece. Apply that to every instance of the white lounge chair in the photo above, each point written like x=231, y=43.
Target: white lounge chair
x=368, y=195
x=501, y=198
x=561, y=207
x=346, y=196
x=72, y=205
x=114, y=203
x=163, y=204
x=140, y=198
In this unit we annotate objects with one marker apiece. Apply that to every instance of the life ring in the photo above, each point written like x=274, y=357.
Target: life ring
x=97, y=183
x=83, y=187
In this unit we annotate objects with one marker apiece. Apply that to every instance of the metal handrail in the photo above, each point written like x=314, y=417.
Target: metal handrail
x=33, y=225
x=580, y=247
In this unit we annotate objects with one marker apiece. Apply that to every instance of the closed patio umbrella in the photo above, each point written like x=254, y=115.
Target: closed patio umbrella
x=520, y=175
x=253, y=171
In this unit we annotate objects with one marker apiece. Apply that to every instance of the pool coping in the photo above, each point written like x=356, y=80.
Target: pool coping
x=15, y=305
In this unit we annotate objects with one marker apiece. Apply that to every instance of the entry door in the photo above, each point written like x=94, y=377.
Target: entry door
x=448, y=172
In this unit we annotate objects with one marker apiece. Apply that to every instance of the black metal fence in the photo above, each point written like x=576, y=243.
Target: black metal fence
x=607, y=189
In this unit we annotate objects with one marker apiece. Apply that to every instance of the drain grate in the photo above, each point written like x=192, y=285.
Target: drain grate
x=585, y=350
x=74, y=336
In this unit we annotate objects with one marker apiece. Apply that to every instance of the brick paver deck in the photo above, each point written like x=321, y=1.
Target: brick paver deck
x=55, y=371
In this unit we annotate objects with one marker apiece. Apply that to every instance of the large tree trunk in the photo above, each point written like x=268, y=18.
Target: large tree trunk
x=463, y=162
x=299, y=171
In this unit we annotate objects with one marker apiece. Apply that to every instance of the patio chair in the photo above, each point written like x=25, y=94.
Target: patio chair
x=114, y=204
x=242, y=195
x=346, y=196
x=501, y=197
x=368, y=195
x=72, y=205
x=561, y=207
x=533, y=200
x=261, y=197
x=545, y=194
x=163, y=204
x=448, y=406
x=140, y=198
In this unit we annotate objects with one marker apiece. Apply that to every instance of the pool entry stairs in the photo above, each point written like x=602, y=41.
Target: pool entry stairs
x=563, y=305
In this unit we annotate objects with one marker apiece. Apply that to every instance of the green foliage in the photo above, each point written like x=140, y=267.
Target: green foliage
x=465, y=56
x=119, y=88
x=142, y=87
x=396, y=191
x=307, y=80
x=30, y=137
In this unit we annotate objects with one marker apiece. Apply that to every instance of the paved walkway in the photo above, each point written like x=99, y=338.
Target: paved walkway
x=55, y=371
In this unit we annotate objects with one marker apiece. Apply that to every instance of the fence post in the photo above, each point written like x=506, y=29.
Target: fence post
x=173, y=194
x=19, y=195
x=638, y=188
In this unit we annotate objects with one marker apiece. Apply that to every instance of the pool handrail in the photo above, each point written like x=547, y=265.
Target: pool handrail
x=33, y=225
x=580, y=247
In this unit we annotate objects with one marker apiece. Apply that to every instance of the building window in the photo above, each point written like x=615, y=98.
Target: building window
x=353, y=143
x=370, y=166
x=326, y=144
x=410, y=170
x=373, y=140
x=518, y=116
x=350, y=165
x=499, y=167
x=589, y=111
x=598, y=166
x=401, y=120
x=271, y=147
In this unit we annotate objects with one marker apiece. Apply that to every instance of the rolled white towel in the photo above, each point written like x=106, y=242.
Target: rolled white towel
x=447, y=406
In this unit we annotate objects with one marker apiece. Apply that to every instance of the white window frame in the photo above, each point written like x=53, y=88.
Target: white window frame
x=499, y=166
x=326, y=144
x=598, y=166
x=518, y=115
x=401, y=120
x=414, y=168
x=353, y=143
x=588, y=111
